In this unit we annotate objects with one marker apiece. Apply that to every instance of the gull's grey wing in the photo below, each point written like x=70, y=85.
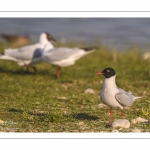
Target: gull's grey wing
x=124, y=98
x=30, y=47
x=57, y=54
x=26, y=55
x=122, y=91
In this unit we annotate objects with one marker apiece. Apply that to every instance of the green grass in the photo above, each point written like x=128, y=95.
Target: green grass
x=40, y=103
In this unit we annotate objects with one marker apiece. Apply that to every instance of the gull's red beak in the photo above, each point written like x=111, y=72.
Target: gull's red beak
x=99, y=73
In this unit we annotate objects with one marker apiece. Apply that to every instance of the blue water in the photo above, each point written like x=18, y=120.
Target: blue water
x=118, y=33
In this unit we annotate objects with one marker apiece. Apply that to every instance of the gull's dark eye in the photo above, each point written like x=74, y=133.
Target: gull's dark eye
x=107, y=70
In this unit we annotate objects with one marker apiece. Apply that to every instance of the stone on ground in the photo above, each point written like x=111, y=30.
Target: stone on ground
x=135, y=130
x=138, y=120
x=114, y=131
x=102, y=105
x=121, y=123
x=89, y=91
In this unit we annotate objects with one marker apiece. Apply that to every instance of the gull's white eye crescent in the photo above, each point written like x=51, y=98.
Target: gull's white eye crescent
x=107, y=71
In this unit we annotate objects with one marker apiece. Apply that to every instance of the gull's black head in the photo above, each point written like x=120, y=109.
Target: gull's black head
x=49, y=37
x=107, y=72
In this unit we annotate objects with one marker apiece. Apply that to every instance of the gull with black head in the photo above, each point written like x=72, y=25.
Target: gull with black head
x=113, y=96
x=64, y=56
x=30, y=54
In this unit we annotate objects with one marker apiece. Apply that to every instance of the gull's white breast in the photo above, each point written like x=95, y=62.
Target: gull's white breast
x=108, y=93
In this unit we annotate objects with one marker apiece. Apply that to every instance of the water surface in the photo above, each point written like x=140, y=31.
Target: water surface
x=120, y=33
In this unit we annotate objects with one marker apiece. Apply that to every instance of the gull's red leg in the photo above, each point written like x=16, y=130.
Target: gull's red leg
x=58, y=72
x=122, y=112
x=27, y=67
x=34, y=68
x=110, y=117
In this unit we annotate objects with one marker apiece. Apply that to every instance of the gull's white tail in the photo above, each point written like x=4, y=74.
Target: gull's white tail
x=137, y=97
x=5, y=57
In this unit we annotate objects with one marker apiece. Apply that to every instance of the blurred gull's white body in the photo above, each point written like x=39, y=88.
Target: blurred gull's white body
x=28, y=55
x=64, y=56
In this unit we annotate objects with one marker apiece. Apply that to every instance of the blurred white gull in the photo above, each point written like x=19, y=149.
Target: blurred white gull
x=64, y=56
x=113, y=96
x=29, y=55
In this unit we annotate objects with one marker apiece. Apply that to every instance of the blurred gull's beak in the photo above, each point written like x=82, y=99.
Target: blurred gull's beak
x=99, y=73
x=53, y=39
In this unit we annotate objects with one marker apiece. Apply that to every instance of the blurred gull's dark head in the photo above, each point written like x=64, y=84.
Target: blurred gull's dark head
x=50, y=37
x=107, y=72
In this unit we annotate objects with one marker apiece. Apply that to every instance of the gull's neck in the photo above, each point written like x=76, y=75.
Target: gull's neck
x=47, y=48
x=110, y=82
x=43, y=39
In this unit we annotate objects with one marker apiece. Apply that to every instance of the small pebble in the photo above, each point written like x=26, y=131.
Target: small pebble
x=89, y=91
x=136, y=130
x=103, y=131
x=115, y=131
x=81, y=123
x=123, y=123
x=102, y=105
x=1, y=122
x=138, y=120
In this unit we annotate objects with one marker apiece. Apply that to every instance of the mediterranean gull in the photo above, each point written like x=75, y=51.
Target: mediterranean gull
x=113, y=96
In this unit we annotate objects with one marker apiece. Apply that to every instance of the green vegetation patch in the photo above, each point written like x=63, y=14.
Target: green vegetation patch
x=40, y=103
